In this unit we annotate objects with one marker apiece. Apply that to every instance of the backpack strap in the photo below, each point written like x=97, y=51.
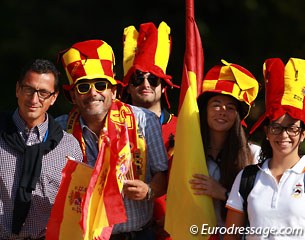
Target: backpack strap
x=246, y=184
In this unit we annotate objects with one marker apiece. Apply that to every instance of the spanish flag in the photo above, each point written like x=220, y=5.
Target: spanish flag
x=186, y=212
x=103, y=205
x=66, y=211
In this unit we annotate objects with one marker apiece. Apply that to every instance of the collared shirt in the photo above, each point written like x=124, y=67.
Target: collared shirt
x=47, y=186
x=274, y=205
x=139, y=213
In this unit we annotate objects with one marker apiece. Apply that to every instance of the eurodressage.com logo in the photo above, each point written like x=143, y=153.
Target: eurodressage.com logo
x=265, y=232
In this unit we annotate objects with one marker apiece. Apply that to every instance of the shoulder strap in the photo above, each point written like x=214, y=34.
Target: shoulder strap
x=247, y=182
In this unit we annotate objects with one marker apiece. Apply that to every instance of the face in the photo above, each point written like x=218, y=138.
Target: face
x=285, y=140
x=33, y=105
x=145, y=90
x=221, y=113
x=93, y=97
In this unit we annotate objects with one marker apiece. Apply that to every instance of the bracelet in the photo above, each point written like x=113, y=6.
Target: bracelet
x=150, y=193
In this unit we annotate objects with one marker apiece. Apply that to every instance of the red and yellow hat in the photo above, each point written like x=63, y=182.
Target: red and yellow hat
x=284, y=89
x=147, y=50
x=88, y=60
x=233, y=80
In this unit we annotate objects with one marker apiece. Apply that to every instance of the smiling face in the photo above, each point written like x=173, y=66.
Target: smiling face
x=145, y=90
x=33, y=108
x=286, y=141
x=221, y=113
x=94, y=103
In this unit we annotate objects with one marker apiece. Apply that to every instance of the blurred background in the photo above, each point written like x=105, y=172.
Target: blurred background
x=245, y=32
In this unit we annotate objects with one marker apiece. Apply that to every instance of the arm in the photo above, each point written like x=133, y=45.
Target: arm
x=138, y=190
x=236, y=219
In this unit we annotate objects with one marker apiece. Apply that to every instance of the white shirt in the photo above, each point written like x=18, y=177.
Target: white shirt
x=279, y=206
x=214, y=172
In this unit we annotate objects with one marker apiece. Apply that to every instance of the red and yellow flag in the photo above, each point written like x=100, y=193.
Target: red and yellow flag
x=66, y=212
x=184, y=209
x=103, y=204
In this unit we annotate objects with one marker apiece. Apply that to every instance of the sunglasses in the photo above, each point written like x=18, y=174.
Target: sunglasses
x=137, y=79
x=84, y=87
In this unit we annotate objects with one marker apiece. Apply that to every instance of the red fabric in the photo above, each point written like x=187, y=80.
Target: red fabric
x=193, y=56
x=168, y=134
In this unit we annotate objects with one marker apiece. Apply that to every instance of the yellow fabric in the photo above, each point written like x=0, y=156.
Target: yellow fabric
x=183, y=208
x=294, y=90
x=162, y=52
x=163, y=47
x=130, y=46
x=97, y=219
x=93, y=67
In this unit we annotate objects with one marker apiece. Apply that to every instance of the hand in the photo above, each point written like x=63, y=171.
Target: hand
x=207, y=185
x=135, y=189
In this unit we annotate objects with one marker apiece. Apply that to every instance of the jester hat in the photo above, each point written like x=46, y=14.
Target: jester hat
x=234, y=80
x=88, y=60
x=284, y=90
x=147, y=50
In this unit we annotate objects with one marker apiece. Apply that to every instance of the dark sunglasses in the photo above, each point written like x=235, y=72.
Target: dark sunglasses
x=138, y=78
x=84, y=87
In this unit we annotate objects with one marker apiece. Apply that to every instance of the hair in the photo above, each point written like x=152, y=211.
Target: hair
x=235, y=153
x=41, y=66
x=266, y=149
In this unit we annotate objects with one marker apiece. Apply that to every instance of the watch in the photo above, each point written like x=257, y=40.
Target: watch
x=150, y=193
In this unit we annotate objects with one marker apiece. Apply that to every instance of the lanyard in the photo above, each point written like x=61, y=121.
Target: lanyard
x=46, y=136
x=161, y=117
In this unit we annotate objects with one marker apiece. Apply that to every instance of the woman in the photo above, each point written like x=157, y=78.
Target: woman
x=223, y=105
x=275, y=203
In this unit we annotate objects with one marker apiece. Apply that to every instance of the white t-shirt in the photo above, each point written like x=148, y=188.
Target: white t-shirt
x=271, y=205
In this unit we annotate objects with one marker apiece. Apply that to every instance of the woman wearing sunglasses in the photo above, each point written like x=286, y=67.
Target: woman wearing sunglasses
x=274, y=207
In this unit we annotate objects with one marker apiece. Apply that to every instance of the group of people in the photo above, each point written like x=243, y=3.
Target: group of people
x=30, y=174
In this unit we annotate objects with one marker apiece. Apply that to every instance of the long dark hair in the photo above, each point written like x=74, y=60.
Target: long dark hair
x=235, y=154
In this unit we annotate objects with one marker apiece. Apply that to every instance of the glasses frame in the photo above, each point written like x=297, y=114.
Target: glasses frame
x=137, y=79
x=292, y=133
x=31, y=91
x=90, y=86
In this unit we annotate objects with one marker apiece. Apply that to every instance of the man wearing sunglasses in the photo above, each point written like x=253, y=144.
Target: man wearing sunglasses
x=101, y=123
x=33, y=150
x=146, y=55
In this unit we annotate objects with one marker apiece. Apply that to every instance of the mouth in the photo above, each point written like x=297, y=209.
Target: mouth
x=220, y=120
x=94, y=101
x=283, y=143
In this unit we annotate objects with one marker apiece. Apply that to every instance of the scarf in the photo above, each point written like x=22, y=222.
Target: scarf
x=119, y=114
x=31, y=169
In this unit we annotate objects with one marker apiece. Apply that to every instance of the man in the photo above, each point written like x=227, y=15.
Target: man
x=146, y=55
x=97, y=113
x=33, y=148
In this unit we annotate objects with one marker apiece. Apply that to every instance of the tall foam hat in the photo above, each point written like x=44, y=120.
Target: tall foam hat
x=284, y=89
x=147, y=50
x=234, y=80
x=88, y=60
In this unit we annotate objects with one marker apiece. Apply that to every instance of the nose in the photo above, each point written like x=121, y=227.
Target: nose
x=146, y=82
x=34, y=97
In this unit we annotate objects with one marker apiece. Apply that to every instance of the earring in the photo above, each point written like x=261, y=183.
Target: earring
x=267, y=138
